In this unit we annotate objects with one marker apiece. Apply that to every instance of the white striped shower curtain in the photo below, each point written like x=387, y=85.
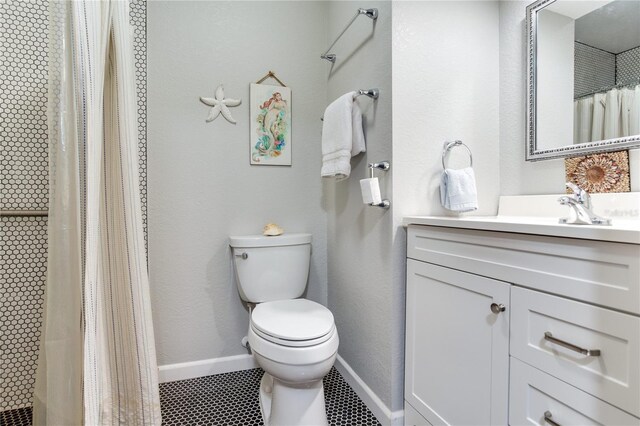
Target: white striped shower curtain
x=97, y=362
x=607, y=115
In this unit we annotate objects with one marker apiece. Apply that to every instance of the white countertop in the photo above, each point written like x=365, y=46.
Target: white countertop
x=622, y=231
x=524, y=215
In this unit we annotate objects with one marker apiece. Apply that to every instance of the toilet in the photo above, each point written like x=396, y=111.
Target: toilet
x=294, y=340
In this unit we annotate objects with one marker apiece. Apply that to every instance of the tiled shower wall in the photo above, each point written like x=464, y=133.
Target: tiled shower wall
x=24, y=183
x=628, y=66
x=596, y=68
x=24, y=186
x=593, y=69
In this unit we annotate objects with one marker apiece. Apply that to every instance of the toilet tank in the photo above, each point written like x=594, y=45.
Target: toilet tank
x=271, y=268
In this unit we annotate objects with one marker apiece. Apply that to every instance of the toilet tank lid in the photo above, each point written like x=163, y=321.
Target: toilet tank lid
x=247, y=241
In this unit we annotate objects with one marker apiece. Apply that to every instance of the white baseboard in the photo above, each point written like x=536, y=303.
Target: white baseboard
x=370, y=399
x=205, y=367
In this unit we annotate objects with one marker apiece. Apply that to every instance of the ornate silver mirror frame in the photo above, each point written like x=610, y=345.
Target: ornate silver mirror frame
x=532, y=153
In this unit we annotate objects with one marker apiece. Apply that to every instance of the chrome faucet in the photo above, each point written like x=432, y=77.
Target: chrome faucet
x=580, y=203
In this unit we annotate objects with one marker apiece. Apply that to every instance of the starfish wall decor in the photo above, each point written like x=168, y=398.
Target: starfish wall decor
x=220, y=105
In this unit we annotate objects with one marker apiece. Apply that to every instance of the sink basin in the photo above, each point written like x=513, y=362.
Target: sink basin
x=540, y=214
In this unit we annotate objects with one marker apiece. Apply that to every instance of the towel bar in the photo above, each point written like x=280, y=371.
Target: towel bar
x=13, y=213
x=385, y=204
x=449, y=145
x=372, y=93
x=369, y=13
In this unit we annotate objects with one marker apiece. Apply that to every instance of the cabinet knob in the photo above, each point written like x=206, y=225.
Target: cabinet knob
x=497, y=308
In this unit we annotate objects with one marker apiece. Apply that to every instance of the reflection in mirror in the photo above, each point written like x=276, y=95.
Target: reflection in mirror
x=584, y=77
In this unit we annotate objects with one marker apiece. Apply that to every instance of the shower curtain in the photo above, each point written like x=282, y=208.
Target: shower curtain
x=609, y=115
x=97, y=362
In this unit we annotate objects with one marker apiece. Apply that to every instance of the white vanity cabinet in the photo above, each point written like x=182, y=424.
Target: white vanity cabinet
x=470, y=362
x=455, y=345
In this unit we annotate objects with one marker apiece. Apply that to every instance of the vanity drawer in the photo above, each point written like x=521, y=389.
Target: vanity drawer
x=613, y=375
x=534, y=394
x=599, y=272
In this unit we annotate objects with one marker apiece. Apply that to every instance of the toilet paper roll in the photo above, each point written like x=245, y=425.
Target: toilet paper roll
x=370, y=191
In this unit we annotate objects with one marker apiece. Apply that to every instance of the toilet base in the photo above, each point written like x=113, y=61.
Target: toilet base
x=292, y=404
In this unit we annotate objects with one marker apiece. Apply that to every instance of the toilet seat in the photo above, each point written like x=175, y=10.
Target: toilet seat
x=295, y=322
x=293, y=355
x=294, y=343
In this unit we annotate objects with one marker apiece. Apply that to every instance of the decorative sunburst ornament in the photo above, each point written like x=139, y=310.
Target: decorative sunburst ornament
x=608, y=172
x=220, y=105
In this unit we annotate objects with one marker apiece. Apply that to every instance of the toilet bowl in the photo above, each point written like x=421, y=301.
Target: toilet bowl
x=295, y=356
x=294, y=340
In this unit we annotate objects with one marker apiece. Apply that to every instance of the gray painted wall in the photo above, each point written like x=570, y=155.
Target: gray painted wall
x=445, y=79
x=361, y=285
x=201, y=186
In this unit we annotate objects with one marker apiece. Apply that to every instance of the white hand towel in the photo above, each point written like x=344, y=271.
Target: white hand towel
x=458, y=191
x=357, y=134
x=342, y=136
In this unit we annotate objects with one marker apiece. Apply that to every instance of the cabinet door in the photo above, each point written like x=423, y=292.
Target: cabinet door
x=457, y=349
x=412, y=417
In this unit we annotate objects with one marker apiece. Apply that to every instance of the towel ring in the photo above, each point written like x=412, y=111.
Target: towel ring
x=448, y=146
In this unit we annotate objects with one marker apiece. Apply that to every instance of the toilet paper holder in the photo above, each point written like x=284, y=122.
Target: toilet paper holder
x=384, y=166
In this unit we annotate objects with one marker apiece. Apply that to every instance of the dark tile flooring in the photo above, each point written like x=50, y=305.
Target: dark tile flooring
x=19, y=417
x=232, y=399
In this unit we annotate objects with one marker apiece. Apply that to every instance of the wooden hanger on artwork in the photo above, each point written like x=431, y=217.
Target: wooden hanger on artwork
x=271, y=74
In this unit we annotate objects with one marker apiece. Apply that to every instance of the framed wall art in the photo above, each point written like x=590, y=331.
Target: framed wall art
x=604, y=172
x=270, y=124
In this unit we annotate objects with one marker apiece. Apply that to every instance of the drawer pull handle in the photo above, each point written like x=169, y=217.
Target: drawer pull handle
x=497, y=308
x=588, y=352
x=547, y=419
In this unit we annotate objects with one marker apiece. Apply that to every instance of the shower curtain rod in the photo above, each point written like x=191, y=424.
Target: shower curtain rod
x=369, y=13
x=604, y=89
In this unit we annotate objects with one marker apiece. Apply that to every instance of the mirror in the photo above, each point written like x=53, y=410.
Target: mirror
x=583, y=80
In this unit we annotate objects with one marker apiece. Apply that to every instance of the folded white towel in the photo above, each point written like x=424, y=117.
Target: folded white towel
x=458, y=191
x=342, y=136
